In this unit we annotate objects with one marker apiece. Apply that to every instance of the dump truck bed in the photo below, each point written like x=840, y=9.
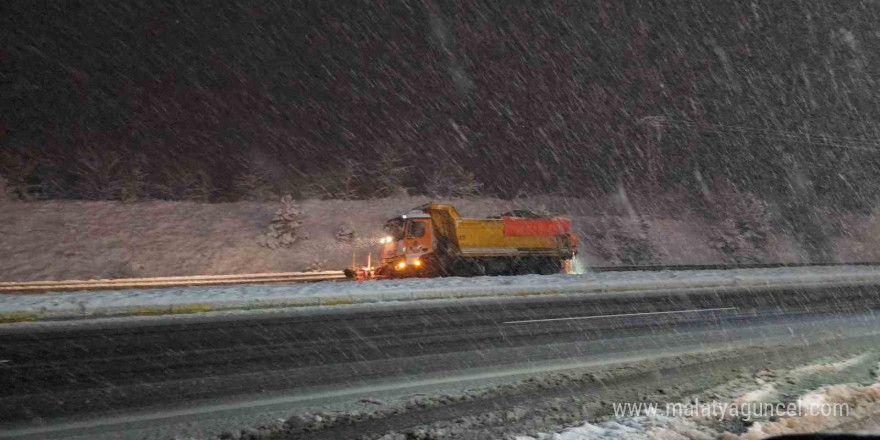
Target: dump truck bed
x=511, y=236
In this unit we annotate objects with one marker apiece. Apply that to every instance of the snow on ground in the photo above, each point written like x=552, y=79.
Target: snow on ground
x=635, y=428
x=816, y=411
x=863, y=403
x=326, y=293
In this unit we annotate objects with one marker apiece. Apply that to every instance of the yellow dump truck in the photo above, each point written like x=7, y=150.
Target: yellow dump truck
x=434, y=240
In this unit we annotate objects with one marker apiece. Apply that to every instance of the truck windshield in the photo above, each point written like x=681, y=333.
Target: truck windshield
x=415, y=229
x=394, y=228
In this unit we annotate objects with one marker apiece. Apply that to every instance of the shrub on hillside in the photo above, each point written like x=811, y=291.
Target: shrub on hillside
x=316, y=266
x=253, y=186
x=134, y=185
x=740, y=223
x=284, y=229
x=624, y=241
x=98, y=175
x=102, y=175
x=17, y=165
x=345, y=232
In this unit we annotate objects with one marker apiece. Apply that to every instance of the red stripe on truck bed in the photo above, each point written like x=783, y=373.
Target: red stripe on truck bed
x=526, y=227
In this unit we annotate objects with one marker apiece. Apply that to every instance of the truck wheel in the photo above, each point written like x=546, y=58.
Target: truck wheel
x=467, y=267
x=498, y=266
x=549, y=266
x=524, y=266
x=437, y=266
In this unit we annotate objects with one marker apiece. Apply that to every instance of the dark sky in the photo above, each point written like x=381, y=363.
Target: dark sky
x=528, y=96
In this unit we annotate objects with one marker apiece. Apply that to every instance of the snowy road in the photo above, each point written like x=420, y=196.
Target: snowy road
x=201, y=367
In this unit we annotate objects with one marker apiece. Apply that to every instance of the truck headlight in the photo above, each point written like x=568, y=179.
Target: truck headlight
x=401, y=265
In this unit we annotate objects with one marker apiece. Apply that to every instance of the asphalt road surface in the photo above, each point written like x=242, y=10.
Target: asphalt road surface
x=54, y=376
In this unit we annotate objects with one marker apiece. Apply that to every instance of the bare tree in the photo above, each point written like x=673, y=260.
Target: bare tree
x=452, y=181
x=184, y=182
x=254, y=183
x=5, y=191
x=390, y=175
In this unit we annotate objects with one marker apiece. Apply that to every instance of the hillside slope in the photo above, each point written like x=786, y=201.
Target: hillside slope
x=82, y=240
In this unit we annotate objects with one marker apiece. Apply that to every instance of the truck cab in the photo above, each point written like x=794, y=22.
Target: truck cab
x=410, y=237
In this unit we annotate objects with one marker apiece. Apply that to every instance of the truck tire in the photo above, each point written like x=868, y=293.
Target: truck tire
x=549, y=266
x=468, y=267
x=498, y=266
x=438, y=266
x=523, y=266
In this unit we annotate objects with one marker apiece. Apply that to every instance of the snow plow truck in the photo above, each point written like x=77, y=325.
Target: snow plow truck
x=434, y=240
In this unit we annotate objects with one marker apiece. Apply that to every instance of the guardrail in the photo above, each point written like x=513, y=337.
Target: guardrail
x=662, y=267
x=139, y=283
x=302, y=277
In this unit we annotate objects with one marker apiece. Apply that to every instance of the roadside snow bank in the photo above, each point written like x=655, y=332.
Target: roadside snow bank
x=29, y=307
x=861, y=403
x=635, y=428
x=833, y=408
